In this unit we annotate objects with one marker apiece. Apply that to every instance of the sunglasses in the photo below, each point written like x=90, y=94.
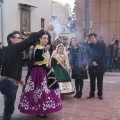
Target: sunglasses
x=18, y=37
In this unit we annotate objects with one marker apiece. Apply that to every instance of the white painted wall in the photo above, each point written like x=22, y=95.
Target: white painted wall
x=11, y=15
x=0, y=25
x=61, y=11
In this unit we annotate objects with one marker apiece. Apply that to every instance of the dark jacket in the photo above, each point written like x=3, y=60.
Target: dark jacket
x=97, y=53
x=1, y=50
x=77, y=62
x=11, y=58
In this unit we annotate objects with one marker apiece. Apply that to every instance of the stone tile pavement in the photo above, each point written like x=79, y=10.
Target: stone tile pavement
x=83, y=108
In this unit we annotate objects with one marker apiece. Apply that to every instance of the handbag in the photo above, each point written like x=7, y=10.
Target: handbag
x=52, y=83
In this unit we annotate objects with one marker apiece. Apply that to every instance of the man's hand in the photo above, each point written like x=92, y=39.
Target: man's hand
x=22, y=82
x=94, y=63
x=48, y=28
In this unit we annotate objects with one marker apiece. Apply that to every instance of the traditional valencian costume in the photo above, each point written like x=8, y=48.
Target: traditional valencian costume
x=38, y=97
x=60, y=64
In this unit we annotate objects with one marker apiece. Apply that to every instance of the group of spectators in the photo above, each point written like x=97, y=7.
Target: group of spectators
x=89, y=56
x=113, y=55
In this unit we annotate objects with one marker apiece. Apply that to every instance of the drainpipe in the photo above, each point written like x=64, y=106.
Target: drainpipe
x=1, y=1
x=86, y=31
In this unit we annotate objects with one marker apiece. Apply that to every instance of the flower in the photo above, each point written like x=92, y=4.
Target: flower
x=26, y=33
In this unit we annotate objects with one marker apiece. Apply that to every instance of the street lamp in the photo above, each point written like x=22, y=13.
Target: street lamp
x=54, y=17
x=86, y=30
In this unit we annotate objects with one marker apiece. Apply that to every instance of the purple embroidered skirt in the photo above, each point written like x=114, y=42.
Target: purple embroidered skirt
x=36, y=98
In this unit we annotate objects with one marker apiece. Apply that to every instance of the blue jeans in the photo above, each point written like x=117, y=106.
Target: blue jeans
x=9, y=90
x=109, y=63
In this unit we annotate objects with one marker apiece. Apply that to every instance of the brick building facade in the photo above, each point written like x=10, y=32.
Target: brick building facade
x=105, y=17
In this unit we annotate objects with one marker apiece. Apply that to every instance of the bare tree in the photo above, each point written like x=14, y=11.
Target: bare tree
x=72, y=18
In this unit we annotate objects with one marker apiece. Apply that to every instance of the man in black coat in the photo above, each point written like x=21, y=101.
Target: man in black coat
x=96, y=65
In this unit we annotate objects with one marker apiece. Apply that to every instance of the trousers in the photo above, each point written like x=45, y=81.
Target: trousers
x=8, y=89
x=99, y=84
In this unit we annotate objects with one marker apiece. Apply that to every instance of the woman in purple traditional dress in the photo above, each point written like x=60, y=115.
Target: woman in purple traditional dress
x=36, y=97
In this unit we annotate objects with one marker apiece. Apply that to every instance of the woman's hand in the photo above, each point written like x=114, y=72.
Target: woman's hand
x=52, y=69
x=86, y=68
x=54, y=53
x=47, y=47
x=69, y=71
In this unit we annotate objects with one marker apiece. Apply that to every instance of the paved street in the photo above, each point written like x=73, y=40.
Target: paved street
x=83, y=108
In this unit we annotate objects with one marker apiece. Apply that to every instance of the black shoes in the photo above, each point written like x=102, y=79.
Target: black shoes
x=78, y=95
x=75, y=96
x=90, y=96
x=42, y=116
x=100, y=97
